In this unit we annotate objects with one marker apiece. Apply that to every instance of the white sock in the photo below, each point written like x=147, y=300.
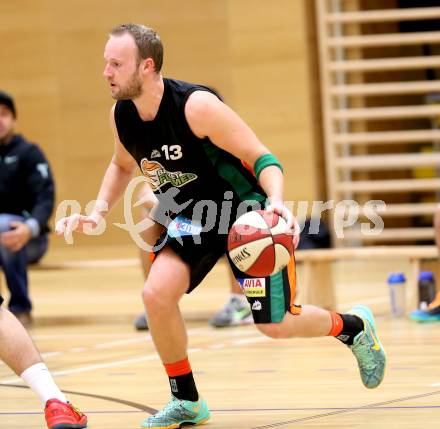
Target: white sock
x=40, y=380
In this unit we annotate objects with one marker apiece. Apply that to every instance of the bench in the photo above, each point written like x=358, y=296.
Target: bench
x=317, y=283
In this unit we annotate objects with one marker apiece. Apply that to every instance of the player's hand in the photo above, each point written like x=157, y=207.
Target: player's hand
x=280, y=209
x=15, y=239
x=75, y=222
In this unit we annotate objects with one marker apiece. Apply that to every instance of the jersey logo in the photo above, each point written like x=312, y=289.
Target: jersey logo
x=158, y=176
x=181, y=227
x=257, y=306
x=253, y=287
x=173, y=384
x=155, y=154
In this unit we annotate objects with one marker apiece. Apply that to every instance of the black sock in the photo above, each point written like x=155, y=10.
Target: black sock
x=184, y=387
x=352, y=325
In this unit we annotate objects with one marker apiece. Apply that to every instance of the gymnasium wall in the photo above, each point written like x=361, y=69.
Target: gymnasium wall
x=256, y=53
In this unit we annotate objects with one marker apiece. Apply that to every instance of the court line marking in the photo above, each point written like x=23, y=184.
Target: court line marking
x=91, y=263
x=43, y=337
x=224, y=410
x=138, y=339
x=251, y=340
x=376, y=405
x=231, y=344
x=131, y=404
x=134, y=338
x=45, y=356
x=217, y=346
x=122, y=342
x=144, y=358
x=117, y=343
x=78, y=349
x=132, y=262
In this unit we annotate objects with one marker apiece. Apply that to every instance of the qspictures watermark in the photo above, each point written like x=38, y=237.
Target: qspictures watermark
x=208, y=215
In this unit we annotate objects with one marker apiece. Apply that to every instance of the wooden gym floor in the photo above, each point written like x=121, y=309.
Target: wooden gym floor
x=84, y=330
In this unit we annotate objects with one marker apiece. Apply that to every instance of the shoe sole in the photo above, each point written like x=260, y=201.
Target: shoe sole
x=180, y=425
x=231, y=325
x=141, y=328
x=69, y=426
x=422, y=319
x=366, y=314
x=248, y=320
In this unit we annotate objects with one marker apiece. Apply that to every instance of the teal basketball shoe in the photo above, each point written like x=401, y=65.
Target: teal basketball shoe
x=178, y=413
x=368, y=349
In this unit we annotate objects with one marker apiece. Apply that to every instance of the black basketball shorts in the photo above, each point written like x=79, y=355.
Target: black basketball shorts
x=269, y=297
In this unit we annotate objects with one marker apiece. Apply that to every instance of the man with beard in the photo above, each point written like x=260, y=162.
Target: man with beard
x=190, y=145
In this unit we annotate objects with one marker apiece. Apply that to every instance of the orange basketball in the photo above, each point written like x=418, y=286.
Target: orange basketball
x=258, y=244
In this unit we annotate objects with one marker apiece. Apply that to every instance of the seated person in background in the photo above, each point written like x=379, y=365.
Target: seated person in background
x=26, y=203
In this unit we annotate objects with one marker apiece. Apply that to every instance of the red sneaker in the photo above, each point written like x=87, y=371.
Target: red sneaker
x=60, y=415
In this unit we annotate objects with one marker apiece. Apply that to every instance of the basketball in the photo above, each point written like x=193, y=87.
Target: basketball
x=258, y=244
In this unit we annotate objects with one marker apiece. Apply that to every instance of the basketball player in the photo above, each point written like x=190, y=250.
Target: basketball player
x=189, y=145
x=19, y=353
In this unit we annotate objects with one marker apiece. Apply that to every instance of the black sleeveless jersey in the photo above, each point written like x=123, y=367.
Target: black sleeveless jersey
x=170, y=155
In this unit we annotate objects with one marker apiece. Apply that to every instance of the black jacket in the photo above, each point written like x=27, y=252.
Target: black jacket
x=26, y=184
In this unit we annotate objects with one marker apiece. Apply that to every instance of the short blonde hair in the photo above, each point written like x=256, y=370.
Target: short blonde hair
x=147, y=41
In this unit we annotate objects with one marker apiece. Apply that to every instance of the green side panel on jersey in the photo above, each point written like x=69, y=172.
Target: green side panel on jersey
x=277, y=305
x=242, y=187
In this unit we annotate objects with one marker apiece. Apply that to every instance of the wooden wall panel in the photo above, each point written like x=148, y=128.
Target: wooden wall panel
x=253, y=52
x=270, y=54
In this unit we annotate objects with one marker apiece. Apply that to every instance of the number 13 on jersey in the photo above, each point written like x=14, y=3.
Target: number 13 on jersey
x=172, y=152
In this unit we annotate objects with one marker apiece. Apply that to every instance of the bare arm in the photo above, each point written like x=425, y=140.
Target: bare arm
x=207, y=116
